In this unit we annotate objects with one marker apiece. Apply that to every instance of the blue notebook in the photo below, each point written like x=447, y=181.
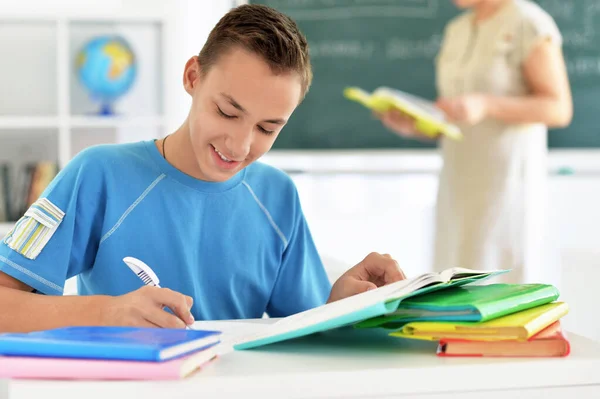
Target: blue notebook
x=115, y=343
x=348, y=311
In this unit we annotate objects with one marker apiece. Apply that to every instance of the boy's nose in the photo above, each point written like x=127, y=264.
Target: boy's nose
x=239, y=145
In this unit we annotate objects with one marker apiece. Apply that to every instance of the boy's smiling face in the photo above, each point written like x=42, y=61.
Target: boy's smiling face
x=238, y=109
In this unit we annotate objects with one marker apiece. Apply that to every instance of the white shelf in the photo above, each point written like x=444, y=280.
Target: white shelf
x=60, y=120
x=28, y=122
x=96, y=18
x=4, y=228
x=72, y=10
x=117, y=121
x=40, y=122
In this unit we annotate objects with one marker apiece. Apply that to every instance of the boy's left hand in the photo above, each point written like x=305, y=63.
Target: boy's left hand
x=374, y=271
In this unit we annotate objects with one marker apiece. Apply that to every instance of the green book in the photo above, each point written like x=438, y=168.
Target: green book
x=474, y=303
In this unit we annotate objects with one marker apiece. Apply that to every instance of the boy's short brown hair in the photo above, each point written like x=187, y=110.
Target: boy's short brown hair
x=264, y=31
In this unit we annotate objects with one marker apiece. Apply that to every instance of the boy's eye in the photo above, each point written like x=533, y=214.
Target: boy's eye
x=224, y=115
x=265, y=131
x=227, y=116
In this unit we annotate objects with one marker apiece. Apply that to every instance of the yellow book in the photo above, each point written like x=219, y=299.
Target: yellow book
x=428, y=118
x=518, y=326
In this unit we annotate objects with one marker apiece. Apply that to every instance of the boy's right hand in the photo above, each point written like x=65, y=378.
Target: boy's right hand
x=144, y=308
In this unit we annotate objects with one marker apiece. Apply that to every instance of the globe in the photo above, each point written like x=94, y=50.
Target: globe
x=106, y=67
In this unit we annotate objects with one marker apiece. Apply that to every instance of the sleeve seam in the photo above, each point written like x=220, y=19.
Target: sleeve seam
x=54, y=287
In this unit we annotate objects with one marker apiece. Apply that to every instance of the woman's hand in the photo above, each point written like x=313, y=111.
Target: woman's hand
x=400, y=123
x=469, y=109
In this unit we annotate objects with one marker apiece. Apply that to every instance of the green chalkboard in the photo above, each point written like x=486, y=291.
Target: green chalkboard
x=371, y=43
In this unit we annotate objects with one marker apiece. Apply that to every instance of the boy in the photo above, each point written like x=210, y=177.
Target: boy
x=225, y=234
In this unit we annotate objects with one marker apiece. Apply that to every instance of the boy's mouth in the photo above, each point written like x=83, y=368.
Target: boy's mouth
x=222, y=161
x=223, y=157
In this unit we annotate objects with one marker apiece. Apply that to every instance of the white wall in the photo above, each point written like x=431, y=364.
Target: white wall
x=192, y=22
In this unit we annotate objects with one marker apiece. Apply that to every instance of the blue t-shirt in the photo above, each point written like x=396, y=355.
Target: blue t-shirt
x=239, y=248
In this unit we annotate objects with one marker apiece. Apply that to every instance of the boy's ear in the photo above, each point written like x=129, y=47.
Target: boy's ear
x=191, y=74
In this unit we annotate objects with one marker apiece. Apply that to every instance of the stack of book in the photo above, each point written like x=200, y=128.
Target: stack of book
x=21, y=185
x=451, y=307
x=483, y=320
x=106, y=353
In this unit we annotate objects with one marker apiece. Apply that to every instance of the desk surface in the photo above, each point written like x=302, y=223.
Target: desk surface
x=349, y=363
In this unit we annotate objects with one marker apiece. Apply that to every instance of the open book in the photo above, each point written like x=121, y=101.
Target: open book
x=429, y=119
x=377, y=302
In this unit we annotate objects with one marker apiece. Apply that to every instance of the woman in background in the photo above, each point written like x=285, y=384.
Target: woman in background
x=501, y=78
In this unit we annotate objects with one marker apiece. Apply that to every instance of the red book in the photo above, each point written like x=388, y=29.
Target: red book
x=550, y=342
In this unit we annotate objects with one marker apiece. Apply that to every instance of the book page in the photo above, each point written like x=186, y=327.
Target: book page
x=345, y=306
x=333, y=309
x=457, y=273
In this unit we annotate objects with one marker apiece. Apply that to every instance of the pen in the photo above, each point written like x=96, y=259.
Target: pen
x=144, y=272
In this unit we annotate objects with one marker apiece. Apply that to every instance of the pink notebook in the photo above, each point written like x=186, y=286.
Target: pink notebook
x=84, y=369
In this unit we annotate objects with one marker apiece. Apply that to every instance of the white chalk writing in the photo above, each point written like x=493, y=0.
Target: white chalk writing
x=350, y=9
x=400, y=48
x=342, y=49
x=584, y=66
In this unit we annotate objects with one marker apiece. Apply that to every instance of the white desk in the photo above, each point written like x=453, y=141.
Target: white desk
x=355, y=364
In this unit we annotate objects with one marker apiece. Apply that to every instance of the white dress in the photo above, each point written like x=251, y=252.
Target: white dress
x=491, y=204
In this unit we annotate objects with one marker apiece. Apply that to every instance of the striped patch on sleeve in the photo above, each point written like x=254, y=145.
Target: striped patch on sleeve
x=33, y=231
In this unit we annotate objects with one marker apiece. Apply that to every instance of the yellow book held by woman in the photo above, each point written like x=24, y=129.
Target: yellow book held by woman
x=517, y=326
x=429, y=119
